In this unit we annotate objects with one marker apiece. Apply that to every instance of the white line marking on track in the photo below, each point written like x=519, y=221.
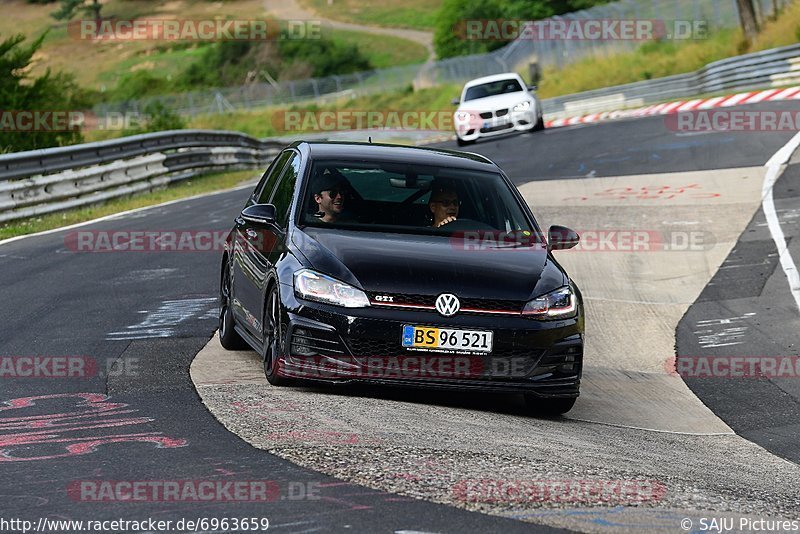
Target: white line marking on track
x=774, y=169
x=617, y=425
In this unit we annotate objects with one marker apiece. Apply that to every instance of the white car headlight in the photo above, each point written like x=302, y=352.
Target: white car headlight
x=558, y=304
x=523, y=106
x=463, y=116
x=312, y=285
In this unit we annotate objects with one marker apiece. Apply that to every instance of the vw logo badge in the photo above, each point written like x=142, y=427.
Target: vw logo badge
x=447, y=304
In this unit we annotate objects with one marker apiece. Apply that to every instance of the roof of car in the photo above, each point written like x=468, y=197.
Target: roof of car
x=492, y=78
x=398, y=153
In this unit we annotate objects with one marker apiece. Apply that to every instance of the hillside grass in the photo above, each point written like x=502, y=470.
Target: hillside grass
x=99, y=65
x=268, y=122
x=382, y=50
x=414, y=14
x=659, y=59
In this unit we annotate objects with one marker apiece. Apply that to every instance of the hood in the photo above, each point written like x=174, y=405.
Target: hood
x=428, y=265
x=491, y=103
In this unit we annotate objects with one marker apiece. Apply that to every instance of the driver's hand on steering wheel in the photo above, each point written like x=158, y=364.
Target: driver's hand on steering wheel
x=446, y=221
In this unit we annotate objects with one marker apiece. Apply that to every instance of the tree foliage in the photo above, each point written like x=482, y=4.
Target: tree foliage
x=449, y=36
x=235, y=63
x=21, y=92
x=70, y=7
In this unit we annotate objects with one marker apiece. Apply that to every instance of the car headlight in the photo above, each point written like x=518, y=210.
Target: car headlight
x=558, y=304
x=312, y=285
x=463, y=116
x=523, y=106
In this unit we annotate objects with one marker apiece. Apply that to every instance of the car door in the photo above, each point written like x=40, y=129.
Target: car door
x=259, y=245
x=245, y=299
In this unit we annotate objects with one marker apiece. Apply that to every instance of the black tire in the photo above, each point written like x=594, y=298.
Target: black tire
x=548, y=407
x=228, y=337
x=461, y=142
x=272, y=346
x=539, y=126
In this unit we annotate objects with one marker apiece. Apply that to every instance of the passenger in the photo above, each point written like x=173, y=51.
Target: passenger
x=444, y=204
x=331, y=191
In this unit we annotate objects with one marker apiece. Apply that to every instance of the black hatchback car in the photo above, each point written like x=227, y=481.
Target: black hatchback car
x=401, y=266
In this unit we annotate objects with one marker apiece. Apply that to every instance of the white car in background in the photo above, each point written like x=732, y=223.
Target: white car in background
x=496, y=105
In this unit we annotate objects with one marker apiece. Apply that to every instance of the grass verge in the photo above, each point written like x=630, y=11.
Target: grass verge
x=382, y=50
x=268, y=122
x=194, y=186
x=415, y=14
x=659, y=59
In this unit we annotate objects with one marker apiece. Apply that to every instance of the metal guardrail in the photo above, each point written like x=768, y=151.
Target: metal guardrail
x=44, y=181
x=38, y=182
x=775, y=67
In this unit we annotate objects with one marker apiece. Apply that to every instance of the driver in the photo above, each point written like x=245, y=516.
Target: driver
x=330, y=193
x=444, y=204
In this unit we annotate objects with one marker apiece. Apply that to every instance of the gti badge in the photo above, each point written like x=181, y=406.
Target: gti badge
x=383, y=298
x=447, y=304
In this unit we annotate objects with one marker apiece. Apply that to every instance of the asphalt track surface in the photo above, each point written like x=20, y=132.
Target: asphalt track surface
x=748, y=311
x=97, y=305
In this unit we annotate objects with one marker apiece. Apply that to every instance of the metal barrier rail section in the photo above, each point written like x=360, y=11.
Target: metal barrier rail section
x=44, y=181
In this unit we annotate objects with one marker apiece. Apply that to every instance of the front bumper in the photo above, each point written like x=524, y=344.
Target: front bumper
x=339, y=345
x=476, y=128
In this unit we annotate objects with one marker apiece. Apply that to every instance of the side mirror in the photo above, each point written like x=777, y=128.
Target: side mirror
x=561, y=238
x=455, y=101
x=532, y=87
x=262, y=214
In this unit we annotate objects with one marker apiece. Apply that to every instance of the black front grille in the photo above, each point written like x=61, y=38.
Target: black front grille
x=406, y=300
x=486, y=115
x=497, y=128
x=501, y=112
x=488, y=305
x=365, y=347
x=504, y=363
x=493, y=305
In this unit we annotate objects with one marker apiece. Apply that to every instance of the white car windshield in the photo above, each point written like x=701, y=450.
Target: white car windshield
x=499, y=87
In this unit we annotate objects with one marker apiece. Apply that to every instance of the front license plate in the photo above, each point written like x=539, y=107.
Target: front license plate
x=432, y=338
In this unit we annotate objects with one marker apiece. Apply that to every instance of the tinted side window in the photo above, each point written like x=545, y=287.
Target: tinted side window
x=282, y=198
x=264, y=189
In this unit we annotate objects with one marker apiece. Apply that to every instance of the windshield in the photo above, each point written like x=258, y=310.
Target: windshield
x=500, y=87
x=399, y=197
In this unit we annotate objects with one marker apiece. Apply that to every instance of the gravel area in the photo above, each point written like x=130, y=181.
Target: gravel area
x=444, y=451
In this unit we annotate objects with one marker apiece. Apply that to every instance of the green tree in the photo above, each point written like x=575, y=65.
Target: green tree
x=158, y=118
x=20, y=92
x=69, y=7
x=450, y=35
